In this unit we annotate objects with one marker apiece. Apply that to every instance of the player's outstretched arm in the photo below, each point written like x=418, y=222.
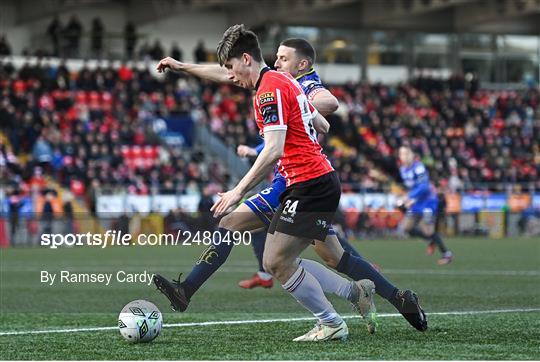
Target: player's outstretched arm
x=325, y=102
x=211, y=72
x=320, y=124
x=272, y=151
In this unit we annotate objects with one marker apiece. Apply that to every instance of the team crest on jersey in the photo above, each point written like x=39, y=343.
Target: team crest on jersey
x=266, y=97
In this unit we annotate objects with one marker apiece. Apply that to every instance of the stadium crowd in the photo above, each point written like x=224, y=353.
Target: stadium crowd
x=80, y=127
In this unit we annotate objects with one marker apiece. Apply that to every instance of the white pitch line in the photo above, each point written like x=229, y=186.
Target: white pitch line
x=463, y=272
x=256, y=321
x=241, y=268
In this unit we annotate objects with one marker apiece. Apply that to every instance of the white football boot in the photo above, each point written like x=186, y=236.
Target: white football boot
x=322, y=332
x=361, y=298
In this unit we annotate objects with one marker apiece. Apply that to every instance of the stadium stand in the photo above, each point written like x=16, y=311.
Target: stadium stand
x=94, y=127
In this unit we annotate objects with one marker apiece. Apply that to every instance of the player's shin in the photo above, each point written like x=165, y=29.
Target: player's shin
x=435, y=238
x=330, y=281
x=308, y=292
x=209, y=262
x=257, y=241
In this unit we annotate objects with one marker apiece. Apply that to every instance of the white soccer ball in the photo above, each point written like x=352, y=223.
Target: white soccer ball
x=140, y=321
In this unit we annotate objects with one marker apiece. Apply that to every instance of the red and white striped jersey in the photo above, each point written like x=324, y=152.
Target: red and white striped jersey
x=280, y=104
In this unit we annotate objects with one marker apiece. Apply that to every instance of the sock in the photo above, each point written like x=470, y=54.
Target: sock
x=264, y=275
x=329, y=280
x=435, y=238
x=209, y=262
x=358, y=268
x=308, y=292
x=257, y=242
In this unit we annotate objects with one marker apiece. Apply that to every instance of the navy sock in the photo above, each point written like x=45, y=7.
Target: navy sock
x=358, y=268
x=209, y=262
x=257, y=241
x=435, y=238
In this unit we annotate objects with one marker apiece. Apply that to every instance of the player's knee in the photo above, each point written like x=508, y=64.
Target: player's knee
x=273, y=265
x=228, y=222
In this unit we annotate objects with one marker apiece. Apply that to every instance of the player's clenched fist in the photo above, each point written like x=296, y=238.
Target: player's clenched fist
x=170, y=63
x=246, y=151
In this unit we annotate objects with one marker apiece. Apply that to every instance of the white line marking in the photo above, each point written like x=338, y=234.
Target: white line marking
x=256, y=321
x=240, y=268
x=463, y=272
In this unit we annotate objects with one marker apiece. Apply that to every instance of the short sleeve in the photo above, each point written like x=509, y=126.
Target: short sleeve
x=311, y=88
x=271, y=110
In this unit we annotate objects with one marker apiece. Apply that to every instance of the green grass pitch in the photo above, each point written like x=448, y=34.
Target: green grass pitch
x=487, y=275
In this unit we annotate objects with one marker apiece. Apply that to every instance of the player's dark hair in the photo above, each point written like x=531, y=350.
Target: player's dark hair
x=236, y=41
x=304, y=49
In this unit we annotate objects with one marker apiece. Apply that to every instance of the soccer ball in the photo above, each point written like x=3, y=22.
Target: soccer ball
x=140, y=321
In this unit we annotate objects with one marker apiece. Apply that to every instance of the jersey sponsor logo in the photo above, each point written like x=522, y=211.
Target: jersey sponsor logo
x=288, y=219
x=266, y=97
x=270, y=113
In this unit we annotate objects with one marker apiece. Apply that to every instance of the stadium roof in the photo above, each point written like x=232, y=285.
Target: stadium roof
x=487, y=16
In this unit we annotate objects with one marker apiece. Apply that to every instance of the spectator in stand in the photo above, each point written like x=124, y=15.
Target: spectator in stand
x=206, y=221
x=47, y=214
x=42, y=151
x=130, y=39
x=72, y=34
x=199, y=54
x=144, y=51
x=176, y=52
x=125, y=73
x=14, y=205
x=123, y=224
x=54, y=31
x=97, y=34
x=5, y=48
x=68, y=213
x=114, y=109
x=157, y=51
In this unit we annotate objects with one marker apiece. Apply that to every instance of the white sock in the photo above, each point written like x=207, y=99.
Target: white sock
x=264, y=276
x=330, y=281
x=307, y=291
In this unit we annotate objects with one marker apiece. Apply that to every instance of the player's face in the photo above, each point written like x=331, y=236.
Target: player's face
x=238, y=71
x=287, y=60
x=406, y=156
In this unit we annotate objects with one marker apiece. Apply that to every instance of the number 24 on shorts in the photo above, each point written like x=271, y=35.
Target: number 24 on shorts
x=290, y=207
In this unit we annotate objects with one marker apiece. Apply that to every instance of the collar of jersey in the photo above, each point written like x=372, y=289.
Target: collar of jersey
x=310, y=71
x=263, y=71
